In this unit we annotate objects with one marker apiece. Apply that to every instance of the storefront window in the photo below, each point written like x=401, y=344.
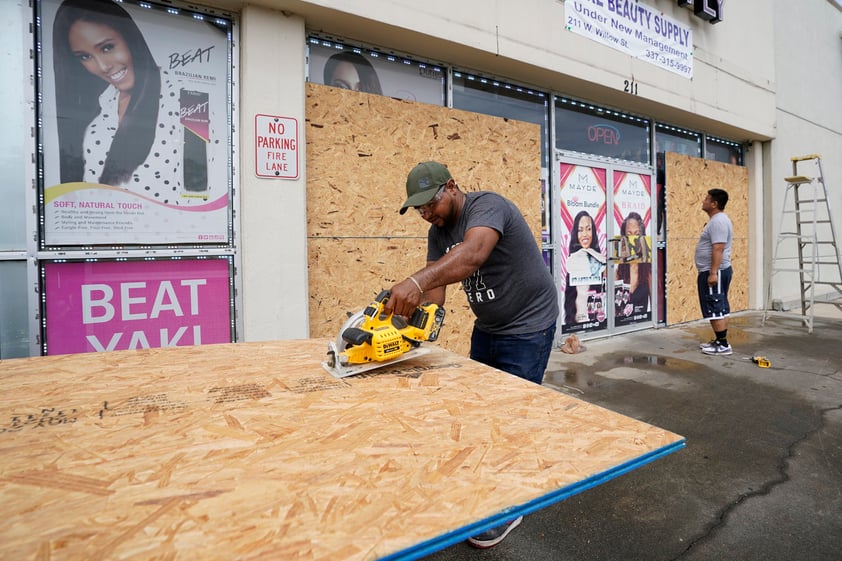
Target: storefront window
x=492, y=97
x=135, y=106
x=671, y=139
x=14, y=325
x=509, y=101
x=15, y=155
x=723, y=150
x=371, y=71
x=588, y=129
x=13, y=211
x=674, y=139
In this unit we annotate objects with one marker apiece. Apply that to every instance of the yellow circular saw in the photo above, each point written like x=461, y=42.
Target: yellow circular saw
x=372, y=339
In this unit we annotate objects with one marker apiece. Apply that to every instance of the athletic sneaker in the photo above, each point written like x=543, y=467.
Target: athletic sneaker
x=709, y=345
x=717, y=349
x=492, y=537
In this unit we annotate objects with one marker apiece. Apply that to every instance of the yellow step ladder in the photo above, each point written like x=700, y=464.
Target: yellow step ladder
x=808, y=241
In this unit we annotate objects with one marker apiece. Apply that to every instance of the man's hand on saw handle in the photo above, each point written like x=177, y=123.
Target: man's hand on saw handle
x=406, y=296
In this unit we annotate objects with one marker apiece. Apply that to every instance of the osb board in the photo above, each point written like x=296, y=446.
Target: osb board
x=688, y=180
x=377, y=263
x=681, y=285
x=359, y=149
x=251, y=451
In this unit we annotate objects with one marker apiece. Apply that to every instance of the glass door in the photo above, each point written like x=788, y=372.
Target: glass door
x=604, y=237
x=630, y=259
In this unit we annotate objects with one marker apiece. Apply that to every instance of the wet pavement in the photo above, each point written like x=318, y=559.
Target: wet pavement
x=760, y=477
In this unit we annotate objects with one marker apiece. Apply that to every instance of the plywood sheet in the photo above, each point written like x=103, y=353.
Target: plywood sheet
x=688, y=180
x=251, y=451
x=359, y=149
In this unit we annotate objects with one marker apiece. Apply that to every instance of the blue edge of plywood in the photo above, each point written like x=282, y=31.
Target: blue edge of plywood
x=431, y=546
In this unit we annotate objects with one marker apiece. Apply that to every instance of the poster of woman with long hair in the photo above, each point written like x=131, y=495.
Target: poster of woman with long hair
x=583, y=263
x=633, y=274
x=135, y=124
x=368, y=71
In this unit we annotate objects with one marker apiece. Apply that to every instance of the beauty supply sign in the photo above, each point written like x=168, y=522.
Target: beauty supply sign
x=119, y=305
x=635, y=29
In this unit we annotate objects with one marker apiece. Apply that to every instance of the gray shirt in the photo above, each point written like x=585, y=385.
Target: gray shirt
x=717, y=230
x=513, y=291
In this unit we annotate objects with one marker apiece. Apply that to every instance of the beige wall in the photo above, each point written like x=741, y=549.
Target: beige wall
x=732, y=93
x=809, y=67
x=273, y=221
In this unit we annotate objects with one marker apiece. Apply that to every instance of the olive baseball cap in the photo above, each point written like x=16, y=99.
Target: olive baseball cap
x=423, y=183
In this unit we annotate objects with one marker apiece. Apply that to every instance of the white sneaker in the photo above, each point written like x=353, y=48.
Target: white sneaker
x=717, y=349
x=492, y=537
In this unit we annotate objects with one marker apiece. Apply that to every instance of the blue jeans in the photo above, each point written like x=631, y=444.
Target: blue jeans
x=525, y=355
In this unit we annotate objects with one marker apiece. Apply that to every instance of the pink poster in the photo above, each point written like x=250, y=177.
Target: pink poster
x=633, y=273
x=119, y=305
x=583, y=242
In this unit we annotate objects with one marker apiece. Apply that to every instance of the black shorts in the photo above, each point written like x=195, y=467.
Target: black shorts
x=714, y=299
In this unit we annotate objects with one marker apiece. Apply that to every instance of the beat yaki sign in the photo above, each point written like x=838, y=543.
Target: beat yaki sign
x=107, y=306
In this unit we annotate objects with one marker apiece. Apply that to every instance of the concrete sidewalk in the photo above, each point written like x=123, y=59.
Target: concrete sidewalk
x=761, y=476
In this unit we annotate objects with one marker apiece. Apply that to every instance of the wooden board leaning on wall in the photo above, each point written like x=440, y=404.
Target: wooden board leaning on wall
x=688, y=180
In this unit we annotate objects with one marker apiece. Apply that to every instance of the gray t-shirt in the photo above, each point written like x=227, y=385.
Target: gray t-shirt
x=717, y=230
x=513, y=291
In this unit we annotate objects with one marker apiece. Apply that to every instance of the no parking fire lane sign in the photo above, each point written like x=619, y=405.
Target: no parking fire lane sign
x=276, y=146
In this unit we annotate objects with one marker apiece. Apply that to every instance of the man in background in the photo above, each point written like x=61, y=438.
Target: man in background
x=713, y=262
